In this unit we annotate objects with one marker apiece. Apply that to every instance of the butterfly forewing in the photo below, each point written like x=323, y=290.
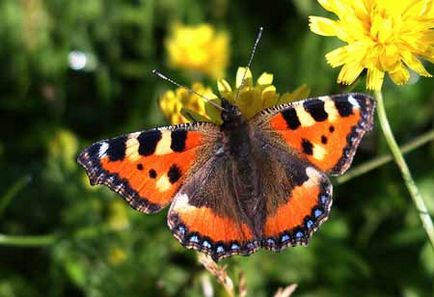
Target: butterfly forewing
x=324, y=130
x=147, y=167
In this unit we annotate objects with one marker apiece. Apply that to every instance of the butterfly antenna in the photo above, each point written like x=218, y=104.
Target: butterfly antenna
x=252, y=54
x=165, y=77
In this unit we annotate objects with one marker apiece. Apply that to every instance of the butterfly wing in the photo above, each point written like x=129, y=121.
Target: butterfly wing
x=205, y=215
x=147, y=167
x=309, y=138
x=298, y=198
x=324, y=130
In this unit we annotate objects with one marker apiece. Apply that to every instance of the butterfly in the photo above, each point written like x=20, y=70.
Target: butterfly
x=246, y=184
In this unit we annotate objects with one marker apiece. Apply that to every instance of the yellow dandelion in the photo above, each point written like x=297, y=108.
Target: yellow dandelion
x=198, y=48
x=181, y=105
x=250, y=98
x=381, y=35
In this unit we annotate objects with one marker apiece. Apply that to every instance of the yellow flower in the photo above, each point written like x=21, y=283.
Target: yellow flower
x=175, y=104
x=252, y=98
x=381, y=35
x=249, y=97
x=198, y=48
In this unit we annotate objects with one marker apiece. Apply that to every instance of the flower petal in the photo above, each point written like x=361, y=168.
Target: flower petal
x=335, y=6
x=400, y=75
x=349, y=73
x=337, y=57
x=269, y=97
x=414, y=63
x=375, y=79
x=323, y=26
x=389, y=57
x=265, y=79
x=223, y=86
x=243, y=72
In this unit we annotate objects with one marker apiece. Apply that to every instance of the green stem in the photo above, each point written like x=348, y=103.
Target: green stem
x=49, y=239
x=405, y=172
x=384, y=159
x=13, y=191
x=27, y=240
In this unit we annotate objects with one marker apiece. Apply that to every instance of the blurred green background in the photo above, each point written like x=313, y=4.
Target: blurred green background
x=88, y=242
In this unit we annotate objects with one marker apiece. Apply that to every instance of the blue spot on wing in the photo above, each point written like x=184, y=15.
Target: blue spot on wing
x=235, y=246
x=194, y=239
x=299, y=234
x=285, y=238
x=317, y=213
x=309, y=224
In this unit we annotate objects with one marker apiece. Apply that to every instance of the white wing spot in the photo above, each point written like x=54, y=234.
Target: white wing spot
x=163, y=184
x=314, y=177
x=304, y=117
x=330, y=108
x=163, y=146
x=181, y=204
x=103, y=149
x=319, y=152
x=353, y=101
x=132, y=151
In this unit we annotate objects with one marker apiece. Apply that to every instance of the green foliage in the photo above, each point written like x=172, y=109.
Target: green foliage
x=372, y=245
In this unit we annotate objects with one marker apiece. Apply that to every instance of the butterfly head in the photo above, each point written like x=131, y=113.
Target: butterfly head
x=231, y=115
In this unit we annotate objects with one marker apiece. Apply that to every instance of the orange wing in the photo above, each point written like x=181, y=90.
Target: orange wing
x=147, y=167
x=203, y=229
x=324, y=130
x=307, y=206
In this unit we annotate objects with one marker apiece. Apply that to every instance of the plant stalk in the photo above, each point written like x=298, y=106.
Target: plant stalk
x=27, y=240
x=386, y=158
x=405, y=172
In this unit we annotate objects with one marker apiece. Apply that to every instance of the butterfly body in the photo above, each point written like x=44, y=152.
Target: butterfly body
x=249, y=183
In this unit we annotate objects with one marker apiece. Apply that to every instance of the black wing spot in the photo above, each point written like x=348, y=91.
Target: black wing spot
x=332, y=129
x=178, y=140
x=344, y=108
x=148, y=141
x=315, y=108
x=117, y=148
x=291, y=118
x=139, y=167
x=307, y=146
x=324, y=139
x=174, y=174
x=152, y=173
x=93, y=150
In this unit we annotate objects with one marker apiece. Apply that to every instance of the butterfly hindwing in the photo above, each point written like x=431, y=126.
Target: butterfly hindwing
x=324, y=130
x=294, y=220
x=146, y=167
x=298, y=198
